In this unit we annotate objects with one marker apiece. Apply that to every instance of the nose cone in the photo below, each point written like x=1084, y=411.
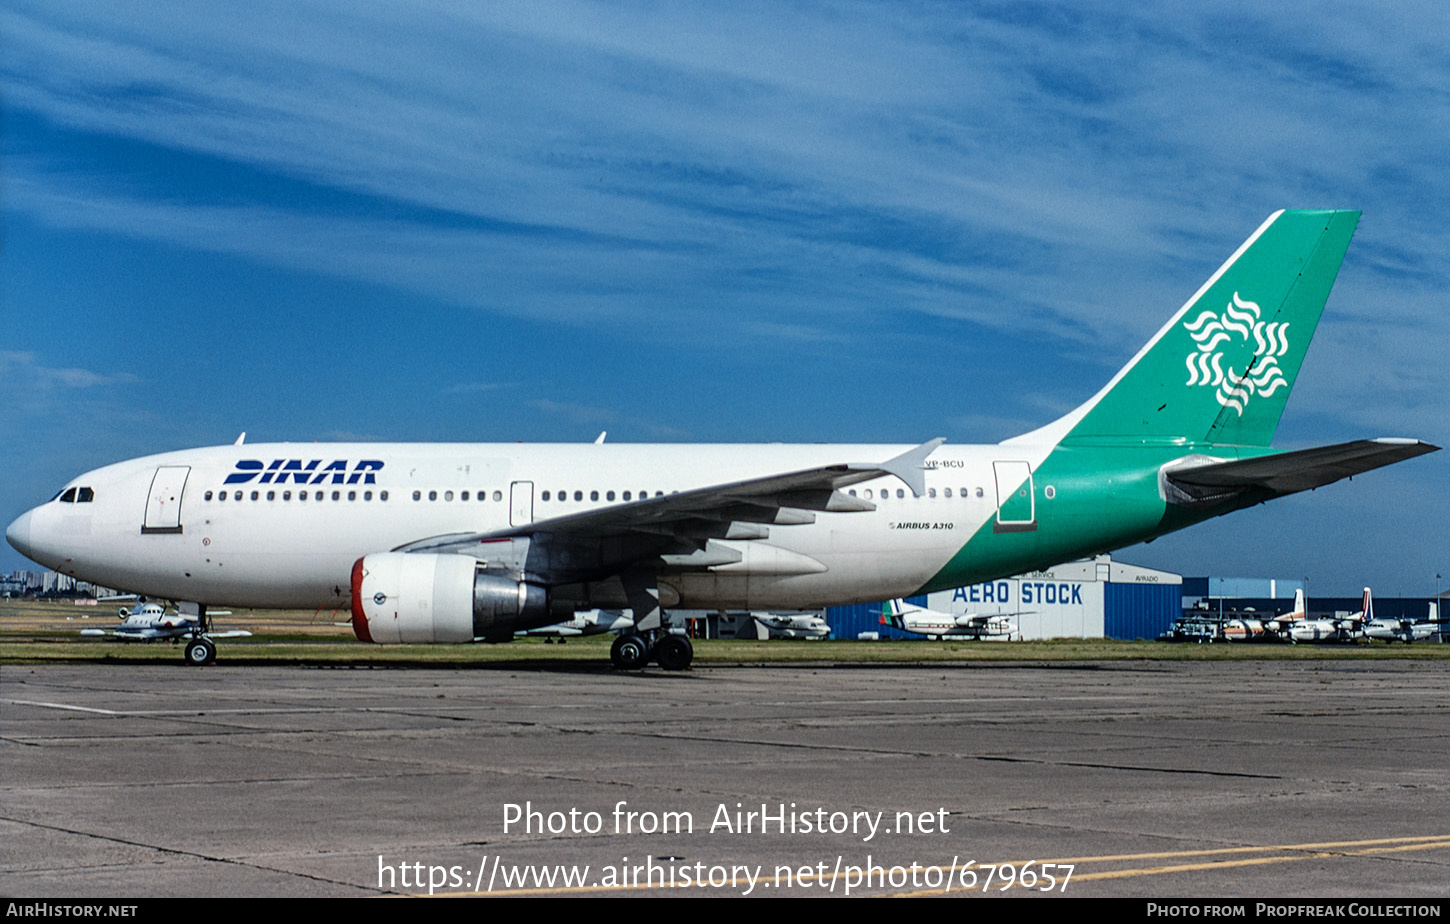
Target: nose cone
x=18, y=534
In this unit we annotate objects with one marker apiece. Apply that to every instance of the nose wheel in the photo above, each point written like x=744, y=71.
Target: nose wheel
x=199, y=651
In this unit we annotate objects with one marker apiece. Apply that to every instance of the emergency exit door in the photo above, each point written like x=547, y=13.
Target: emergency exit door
x=521, y=503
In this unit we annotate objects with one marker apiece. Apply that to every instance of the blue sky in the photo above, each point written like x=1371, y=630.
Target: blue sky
x=735, y=222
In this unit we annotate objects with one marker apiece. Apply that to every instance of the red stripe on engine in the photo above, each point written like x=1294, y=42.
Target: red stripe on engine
x=359, y=618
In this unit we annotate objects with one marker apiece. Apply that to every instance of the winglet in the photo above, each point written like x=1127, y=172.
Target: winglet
x=910, y=466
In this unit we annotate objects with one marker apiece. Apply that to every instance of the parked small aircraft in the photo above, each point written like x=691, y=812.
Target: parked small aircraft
x=909, y=617
x=150, y=622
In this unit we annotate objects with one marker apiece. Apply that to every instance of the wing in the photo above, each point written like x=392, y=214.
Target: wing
x=1203, y=481
x=683, y=531
x=983, y=620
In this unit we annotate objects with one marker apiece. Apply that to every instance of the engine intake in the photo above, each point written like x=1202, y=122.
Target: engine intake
x=410, y=598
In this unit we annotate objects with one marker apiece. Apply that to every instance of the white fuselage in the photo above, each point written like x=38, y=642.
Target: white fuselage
x=942, y=625
x=159, y=525
x=786, y=625
x=1394, y=630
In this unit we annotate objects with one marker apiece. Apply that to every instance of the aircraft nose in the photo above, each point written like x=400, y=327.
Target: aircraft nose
x=18, y=534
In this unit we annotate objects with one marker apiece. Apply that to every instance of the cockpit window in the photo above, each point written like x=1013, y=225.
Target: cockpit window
x=85, y=496
x=69, y=497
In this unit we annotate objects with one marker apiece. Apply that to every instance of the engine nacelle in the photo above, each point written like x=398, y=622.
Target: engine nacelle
x=404, y=598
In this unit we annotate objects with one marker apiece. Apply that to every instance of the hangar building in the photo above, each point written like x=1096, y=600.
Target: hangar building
x=1091, y=598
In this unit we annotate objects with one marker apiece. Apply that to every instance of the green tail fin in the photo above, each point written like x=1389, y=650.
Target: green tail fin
x=1221, y=370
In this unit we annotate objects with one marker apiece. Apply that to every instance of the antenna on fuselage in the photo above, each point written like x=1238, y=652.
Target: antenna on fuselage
x=241, y=439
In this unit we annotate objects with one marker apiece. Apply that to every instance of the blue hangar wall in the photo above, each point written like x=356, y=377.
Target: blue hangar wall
x=1093, y=598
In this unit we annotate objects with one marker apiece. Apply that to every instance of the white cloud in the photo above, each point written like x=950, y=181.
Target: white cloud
x=24, y=380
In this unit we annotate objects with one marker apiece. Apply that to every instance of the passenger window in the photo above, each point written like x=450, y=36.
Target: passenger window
x=594, y=495
x=352, y=495
x=626, y=495
x=417, y=495
x=221, y=496
x=949, y=492
x=382, y=495
x=302, y=495
x=208, y=495
x=367, y=495
x=979, y=492
x=237, y=496
x=609, y=496
x=256, y=495
x=432, y=495
x=545, y=495
x=498, y=495
x=578, y=495
x=337, y=495
x=271, y=495
x=286, y=495
x=448, y=495
x=464, y=496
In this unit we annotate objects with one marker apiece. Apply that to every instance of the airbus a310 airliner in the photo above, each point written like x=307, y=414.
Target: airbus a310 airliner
x=464, y=542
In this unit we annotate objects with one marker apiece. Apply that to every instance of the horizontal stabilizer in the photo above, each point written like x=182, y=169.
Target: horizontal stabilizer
x=1285, y=472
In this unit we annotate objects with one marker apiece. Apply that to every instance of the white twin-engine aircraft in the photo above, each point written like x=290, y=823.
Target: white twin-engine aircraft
x=936, y=625
x=150, y=622
x=458, y=543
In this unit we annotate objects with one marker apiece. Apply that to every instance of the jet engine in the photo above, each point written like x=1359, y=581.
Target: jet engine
x=403, y=598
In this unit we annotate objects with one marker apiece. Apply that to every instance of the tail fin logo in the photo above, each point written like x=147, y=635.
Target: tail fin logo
x=1262, y=376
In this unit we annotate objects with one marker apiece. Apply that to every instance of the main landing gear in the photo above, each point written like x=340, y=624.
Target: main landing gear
x=649, y=640
x=633, y=650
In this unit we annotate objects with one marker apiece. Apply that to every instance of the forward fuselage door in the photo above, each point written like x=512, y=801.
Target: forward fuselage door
x=163, y=503
x=521, y=503
x=1016, y=501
